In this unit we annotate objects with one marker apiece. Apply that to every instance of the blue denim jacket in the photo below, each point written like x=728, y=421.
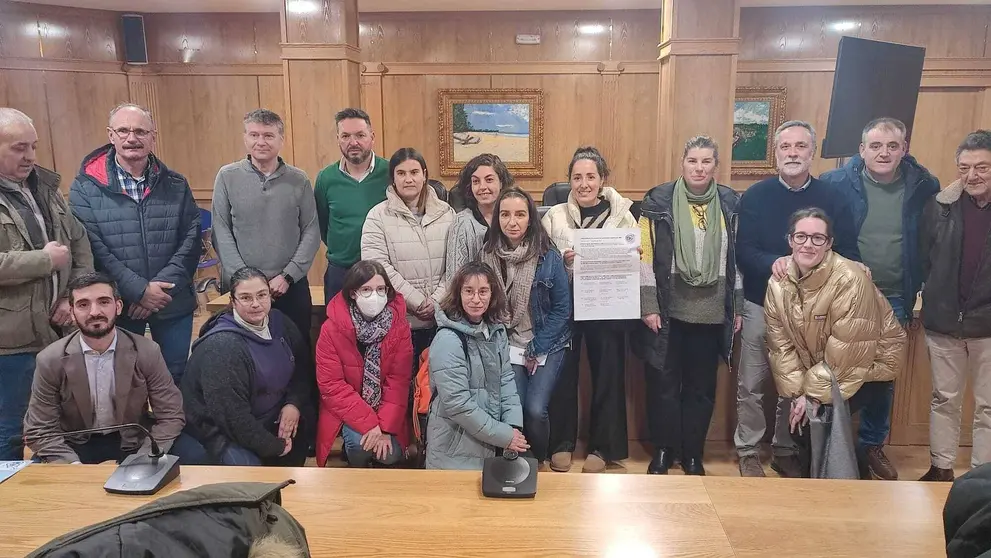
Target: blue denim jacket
x=550, y=306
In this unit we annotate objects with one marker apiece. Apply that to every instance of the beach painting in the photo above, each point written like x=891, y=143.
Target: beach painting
x=505, y=122
x=757, y=112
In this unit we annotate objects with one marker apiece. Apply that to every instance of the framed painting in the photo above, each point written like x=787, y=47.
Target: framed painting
x=758, y=111
x=506, y=122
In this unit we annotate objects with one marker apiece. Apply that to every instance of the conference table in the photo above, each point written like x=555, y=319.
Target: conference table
x=375, y=512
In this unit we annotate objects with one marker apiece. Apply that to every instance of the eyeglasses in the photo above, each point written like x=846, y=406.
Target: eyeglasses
x=368, y=291
x=248, y=300
x=481, y=294
x=802, y=238
x=139, y=133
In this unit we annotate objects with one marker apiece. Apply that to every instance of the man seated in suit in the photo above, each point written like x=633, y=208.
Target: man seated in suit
x=100, y=376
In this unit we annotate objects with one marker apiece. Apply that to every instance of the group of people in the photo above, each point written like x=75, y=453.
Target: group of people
x=818, y=275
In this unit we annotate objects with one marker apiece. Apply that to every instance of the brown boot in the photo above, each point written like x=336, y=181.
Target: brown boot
x=935, y=474
x=750, y=466
x=879, y=465
x=561, y=462
x=788, y=466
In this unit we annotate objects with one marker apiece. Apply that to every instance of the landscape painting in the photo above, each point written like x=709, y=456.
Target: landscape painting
x=505, y=122
x=758, y=111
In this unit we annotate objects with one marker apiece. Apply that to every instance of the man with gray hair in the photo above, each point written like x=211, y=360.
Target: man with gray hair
x=762, y=254
x=956, y=305
x=887, y=189
x=42, y=248
x=265, y=216
x=144, y=227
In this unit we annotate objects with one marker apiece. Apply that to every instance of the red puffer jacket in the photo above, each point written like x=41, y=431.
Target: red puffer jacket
x=340, y=368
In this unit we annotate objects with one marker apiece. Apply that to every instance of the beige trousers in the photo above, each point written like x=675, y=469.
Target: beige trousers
x=952, y=361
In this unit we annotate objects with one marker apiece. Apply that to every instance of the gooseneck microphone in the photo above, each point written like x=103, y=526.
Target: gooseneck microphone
x=137, y=474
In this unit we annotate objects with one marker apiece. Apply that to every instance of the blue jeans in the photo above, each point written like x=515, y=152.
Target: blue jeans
x=535, y=395
x=358, y=457
x=333, y=281
x=875, y=415
x=16, y=373
x=173, y=336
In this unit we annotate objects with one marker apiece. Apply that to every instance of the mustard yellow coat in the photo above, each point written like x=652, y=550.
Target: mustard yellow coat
x=833, y=319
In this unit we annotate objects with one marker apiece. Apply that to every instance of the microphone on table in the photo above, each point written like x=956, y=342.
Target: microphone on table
x=136, y=474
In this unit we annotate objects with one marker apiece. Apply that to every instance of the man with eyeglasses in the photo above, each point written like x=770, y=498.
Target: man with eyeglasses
x=887, y=190
x=264, y=216
x=144, y=227
x=956, y=305
x=345, y=191
x=42, y=248
x=763, y=254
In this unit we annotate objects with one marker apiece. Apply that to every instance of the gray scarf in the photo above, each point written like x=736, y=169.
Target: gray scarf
x=371, y=333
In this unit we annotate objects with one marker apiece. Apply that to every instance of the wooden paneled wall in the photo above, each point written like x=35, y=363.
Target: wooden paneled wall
x=796, y=48
x=597, y=71
x=64, y=68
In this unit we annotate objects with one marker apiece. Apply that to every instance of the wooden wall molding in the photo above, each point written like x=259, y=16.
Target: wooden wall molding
x=178, y=69
x=324, y=51
x=699, y=47
x=58, y=65
x=936, y=72
x=609, y=67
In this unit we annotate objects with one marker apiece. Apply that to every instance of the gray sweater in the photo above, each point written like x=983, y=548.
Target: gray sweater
x=264, y=222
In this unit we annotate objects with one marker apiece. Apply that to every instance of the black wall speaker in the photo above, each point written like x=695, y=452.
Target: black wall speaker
x=872, y=79
x=135, y=47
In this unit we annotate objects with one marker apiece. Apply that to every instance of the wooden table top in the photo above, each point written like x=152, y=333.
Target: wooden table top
x=369, y=512
x=221, y=302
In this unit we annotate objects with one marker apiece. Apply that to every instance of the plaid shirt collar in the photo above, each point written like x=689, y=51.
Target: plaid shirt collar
x=133, y=187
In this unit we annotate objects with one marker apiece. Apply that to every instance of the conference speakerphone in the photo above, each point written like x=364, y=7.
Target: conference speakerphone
x=509, y=476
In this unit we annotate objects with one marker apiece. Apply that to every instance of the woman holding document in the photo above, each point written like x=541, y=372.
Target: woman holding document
x=531, y=272
x=591, y=205
x=690, y=297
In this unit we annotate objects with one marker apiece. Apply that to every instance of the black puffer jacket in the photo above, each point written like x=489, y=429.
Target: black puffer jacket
x=941, y=243
x=156, y=239
x=237, y=519
x=967, y=515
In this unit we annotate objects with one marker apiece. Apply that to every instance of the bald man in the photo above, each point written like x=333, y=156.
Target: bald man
x=42, y=248
x=144, y=226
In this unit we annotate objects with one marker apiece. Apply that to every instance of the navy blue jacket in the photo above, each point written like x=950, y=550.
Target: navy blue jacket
x=920, y=187
x=762, y=233
x=156, y=239
x=550, y=305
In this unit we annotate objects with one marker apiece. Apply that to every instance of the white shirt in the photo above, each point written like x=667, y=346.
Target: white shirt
x=100, y=370
x=371, y=167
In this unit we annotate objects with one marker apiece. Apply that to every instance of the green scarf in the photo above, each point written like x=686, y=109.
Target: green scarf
x=697, y=273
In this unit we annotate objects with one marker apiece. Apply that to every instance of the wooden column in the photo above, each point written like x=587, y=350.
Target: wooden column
x=698, y=55
x=322, y=74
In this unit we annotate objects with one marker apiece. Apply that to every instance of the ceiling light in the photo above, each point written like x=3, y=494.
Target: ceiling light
x=842, y=26
x=591, y=29
x=302, y=7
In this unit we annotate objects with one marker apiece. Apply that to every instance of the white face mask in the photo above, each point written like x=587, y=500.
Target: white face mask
x=371, y=306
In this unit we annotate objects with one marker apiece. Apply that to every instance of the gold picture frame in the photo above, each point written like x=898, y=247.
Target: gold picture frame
x=506, y=122
x=757, y=112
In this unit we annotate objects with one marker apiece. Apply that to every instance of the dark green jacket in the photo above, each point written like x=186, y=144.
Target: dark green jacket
x=225, y=519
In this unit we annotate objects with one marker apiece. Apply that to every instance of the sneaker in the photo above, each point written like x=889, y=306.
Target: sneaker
x=788, y=466
x=594, y=463
x=561, y=462
x=935, y=474
x=879, y=465
x=750, y=466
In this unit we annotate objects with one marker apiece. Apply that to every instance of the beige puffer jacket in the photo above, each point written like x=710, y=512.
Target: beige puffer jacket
x=561, y=220
x=412, y=252
x=833, y=319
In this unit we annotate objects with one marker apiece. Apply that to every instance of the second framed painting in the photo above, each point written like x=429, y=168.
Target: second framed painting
x=505, y=122
x=758, y=111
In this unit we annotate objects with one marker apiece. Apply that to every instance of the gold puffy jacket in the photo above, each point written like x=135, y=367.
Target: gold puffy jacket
x=833, y=319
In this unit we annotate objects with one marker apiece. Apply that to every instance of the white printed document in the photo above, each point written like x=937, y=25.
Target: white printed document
x=516, y=357
x=607, y=274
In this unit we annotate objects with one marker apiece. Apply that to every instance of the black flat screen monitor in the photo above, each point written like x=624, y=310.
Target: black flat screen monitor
x=872, y=79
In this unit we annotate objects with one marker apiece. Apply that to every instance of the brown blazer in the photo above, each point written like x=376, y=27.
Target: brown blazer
x=61, y=402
